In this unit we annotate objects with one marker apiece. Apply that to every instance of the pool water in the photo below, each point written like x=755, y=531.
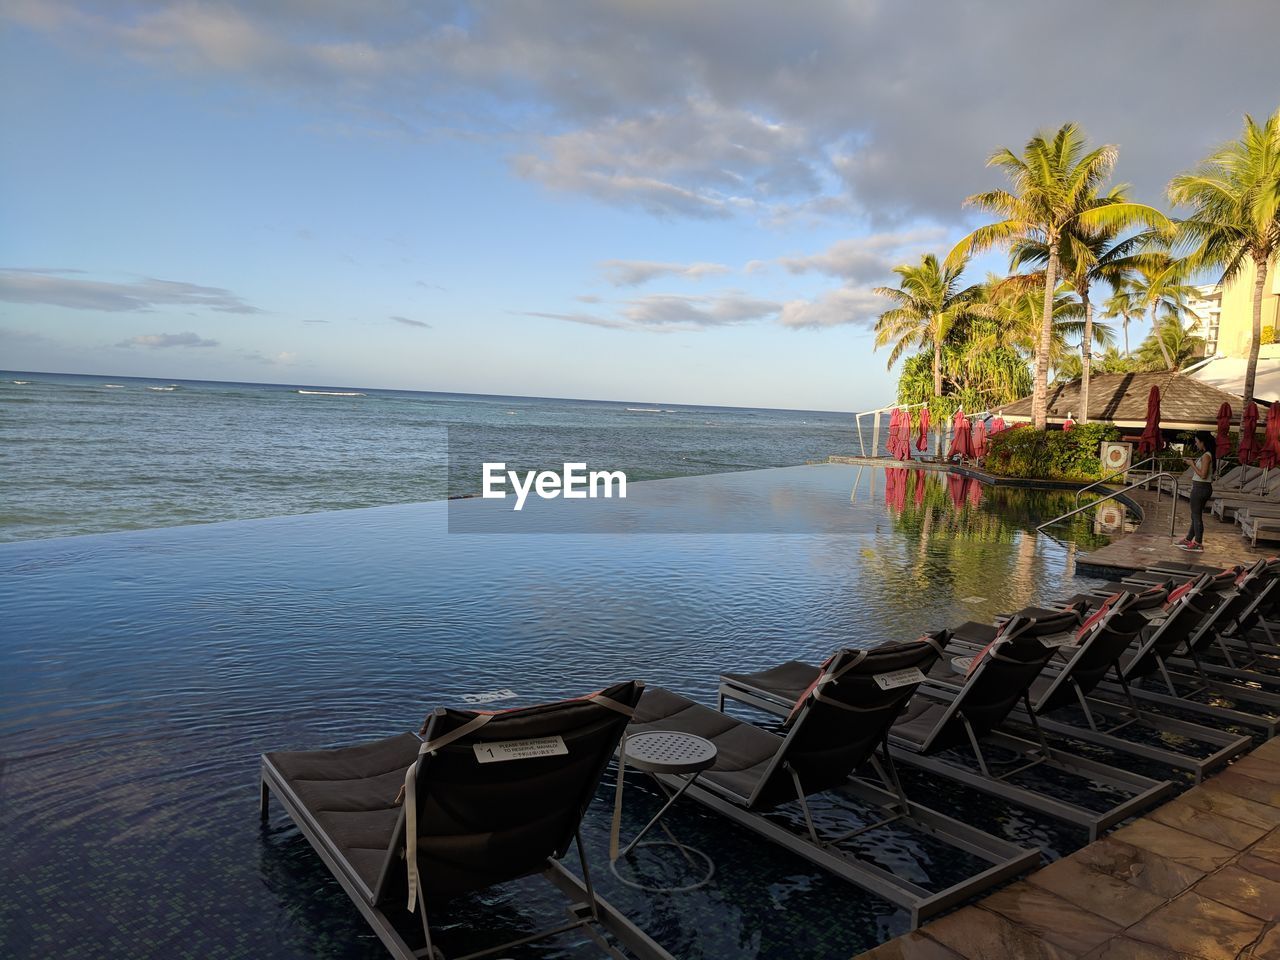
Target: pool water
x=144, y=673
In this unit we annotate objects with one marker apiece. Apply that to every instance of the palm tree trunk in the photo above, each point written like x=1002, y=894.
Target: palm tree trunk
x=1158, y=333
x=1259, y=287
x=1086, y=352
x=1040, y=385
x=1124, y=322
x=937, y=367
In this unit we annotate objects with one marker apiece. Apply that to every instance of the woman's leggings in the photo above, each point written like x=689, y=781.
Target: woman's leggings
x=1200, y=494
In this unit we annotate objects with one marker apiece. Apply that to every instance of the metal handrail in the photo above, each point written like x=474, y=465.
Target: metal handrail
x=1173, y=509
x=1112, y=476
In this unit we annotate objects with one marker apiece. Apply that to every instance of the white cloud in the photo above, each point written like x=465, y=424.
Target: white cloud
x=159, y=341
x=406, y=321
x=712, y=108
x=863, y=259
x=840, y=307
x=57, y=288
x=633, y=273
x=662, y=312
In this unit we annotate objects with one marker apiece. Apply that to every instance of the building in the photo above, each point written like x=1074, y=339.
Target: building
x=1204, y=315
x=1225, y=315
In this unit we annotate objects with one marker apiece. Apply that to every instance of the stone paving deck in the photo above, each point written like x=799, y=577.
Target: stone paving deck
x=1196, y=879
x=1151, y=542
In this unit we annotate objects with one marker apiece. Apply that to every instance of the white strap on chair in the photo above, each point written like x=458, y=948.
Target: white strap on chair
x=411, y=800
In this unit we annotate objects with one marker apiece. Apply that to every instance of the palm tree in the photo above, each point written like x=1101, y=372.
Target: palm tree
x=1169, y=345
x=1055, y=189
x=929, y=302
x=1123, y=303
x=1087, y=255
x=1159, y=284
x=1234, y=195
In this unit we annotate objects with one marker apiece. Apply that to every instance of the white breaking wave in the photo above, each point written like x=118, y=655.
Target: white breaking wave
x=164, y=389
x=113, y=384
x=331, y=393
x=20, y=383
x=644, y=409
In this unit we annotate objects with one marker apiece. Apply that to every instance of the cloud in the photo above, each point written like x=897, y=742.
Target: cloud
x=840, y=307
x=633, y=273
x=158, y=341
x=57, y=288
x=662, y=312
x=285, y=358
x=412, y=323
x=723, y=107
x=869, y=258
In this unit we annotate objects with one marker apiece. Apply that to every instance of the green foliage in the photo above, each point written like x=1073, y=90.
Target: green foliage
x=1268, y=335
x=1049, y=454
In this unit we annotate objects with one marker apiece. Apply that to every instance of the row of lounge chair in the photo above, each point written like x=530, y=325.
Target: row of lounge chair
x=1249, y=497
x=408, y=820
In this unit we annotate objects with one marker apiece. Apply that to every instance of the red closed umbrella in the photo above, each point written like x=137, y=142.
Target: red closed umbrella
x=961, y=440
x=923, y=440
x=1271, y=441
x=894, y=417
x=1248, y=451
x=995, y=426
x=979, y=439
x=1151, y=440
x=1224, y=430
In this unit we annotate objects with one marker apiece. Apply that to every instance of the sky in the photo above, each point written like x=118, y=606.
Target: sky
x=641, y=200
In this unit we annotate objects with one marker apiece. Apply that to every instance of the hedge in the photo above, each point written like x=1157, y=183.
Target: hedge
x=1049, y=454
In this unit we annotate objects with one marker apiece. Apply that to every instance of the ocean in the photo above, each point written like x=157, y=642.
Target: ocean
x=94, y=454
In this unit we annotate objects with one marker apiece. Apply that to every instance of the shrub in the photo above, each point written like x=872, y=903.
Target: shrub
x=1268, y=336
x=1050, y=454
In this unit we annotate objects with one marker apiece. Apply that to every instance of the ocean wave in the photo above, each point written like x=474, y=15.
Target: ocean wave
x=171, y=387
x=21, y=383
x=646, y=410
x=331, y=393
x=113, y=384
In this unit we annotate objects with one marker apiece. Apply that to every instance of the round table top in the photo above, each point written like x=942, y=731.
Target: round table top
x=669, y=751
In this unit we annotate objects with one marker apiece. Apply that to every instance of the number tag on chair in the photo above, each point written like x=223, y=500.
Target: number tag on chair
x=503, y=750
x=898, y=678
x=1057, y=640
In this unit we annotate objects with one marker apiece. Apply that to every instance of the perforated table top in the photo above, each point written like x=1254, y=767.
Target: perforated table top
x=667, y=751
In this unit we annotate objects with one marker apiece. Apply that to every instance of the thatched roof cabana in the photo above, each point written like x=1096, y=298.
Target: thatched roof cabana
x=1121, y=399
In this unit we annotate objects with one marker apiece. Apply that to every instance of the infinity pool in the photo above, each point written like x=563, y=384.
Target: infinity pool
x=144, y=672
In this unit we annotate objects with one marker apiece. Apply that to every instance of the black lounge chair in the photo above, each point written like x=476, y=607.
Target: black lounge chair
x=1187, y=611
x=941, y=717
x=483, y=799
x=1072, y=675
x=1030, y=623
x=836, y=723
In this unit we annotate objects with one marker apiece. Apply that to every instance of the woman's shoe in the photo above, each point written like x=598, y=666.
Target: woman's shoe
x=1194, y=547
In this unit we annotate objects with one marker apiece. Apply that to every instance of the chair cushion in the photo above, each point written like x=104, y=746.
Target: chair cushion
x=350, y=794
x=918, y=720
x=787, y=681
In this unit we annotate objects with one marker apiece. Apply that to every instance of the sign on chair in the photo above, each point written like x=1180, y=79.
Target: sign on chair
x=503, y=750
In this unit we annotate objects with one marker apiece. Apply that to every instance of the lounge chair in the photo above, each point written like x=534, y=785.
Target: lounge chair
x=1152, y=656
x=1076, y=669
x=836, y=723
x=1263, y=489
x=464, y=821
x=940, y=718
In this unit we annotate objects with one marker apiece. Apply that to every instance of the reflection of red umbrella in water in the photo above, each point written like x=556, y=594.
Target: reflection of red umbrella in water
x=974, y=492
x=961, y=440
x=1271, y=441
x=955, y=488
x=1248, y=451
x=1151, y=440
x=1224, y=430
x=919, y=491
x=979, y=439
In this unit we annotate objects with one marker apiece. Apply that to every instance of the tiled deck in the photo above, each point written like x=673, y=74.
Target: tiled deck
x=1196, y=879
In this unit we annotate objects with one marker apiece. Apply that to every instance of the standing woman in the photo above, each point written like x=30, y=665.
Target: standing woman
x=1202, y=466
